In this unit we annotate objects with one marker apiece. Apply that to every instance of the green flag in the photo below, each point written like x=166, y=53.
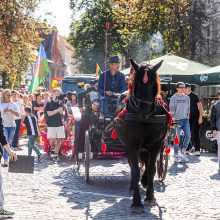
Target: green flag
x=41, y=70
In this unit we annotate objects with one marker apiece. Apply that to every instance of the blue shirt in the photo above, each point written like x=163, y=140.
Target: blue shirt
x=115, y=83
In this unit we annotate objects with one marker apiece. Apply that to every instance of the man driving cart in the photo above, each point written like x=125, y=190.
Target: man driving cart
x=111, y=82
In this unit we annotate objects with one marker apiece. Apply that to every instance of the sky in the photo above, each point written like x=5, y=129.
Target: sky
x=61, y=14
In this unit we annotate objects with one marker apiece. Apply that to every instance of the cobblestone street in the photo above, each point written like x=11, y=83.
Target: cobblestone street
x=57, y=191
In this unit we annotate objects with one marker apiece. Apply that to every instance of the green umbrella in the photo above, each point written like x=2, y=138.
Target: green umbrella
x=210, y=76
x=175, y=69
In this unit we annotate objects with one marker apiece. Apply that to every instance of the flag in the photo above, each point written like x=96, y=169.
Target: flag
x=41, y=70
x=97, y=70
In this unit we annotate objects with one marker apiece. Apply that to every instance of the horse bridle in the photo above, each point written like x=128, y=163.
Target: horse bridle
x=135, y=104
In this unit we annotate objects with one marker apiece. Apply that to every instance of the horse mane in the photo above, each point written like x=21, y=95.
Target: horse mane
x=132, y=78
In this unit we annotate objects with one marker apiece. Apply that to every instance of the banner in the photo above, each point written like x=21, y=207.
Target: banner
x=41, y=70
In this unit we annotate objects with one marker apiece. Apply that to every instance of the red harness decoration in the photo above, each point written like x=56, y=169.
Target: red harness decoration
x=124, y=111
x=145, y=77
x=170, y=117
x=114, y=134
x=121, y=114
x=103, y=147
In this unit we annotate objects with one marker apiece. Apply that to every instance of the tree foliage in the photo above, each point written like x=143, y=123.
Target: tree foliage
x=17, y=36
x=132, y=24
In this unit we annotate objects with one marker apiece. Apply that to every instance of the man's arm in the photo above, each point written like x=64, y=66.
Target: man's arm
x=123, y=85
x=172, y=106
x=54, y=112
x=188, y=103
x=199, y=104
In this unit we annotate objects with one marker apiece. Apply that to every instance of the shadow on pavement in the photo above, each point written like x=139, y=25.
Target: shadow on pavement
x=177, y=168
x=47, y=161
x=214, y=160
x=215, y=176
x=194, y=159
x=104, y=191
x=159, y=186
x=121, y=210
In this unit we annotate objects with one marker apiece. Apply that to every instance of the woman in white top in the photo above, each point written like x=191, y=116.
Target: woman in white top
x=8, y=112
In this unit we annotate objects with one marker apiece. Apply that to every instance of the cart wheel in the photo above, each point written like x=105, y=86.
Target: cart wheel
x=162, y=165
x=87, y=156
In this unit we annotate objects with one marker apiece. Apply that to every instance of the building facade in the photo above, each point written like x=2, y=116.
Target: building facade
x=209, y=53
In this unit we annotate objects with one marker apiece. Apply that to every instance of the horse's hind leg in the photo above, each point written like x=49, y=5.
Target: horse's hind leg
x=150, y=199
x=136, y=206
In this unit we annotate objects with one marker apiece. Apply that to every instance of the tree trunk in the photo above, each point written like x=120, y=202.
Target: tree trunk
x=4, y=77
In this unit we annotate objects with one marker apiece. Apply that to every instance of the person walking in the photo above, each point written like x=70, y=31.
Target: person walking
x=215, y=124
x=180, y=109
x=16, y=99
x=8, y=112
x=55, y=129
x=4, y=145
x=32, y=131
x=195, y=119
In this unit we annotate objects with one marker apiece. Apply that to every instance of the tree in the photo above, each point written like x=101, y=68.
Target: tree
x=133, y=22
x=180, y=23
x=88, y=34
x=17, y=36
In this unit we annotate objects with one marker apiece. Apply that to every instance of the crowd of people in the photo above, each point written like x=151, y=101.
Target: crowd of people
x=19, y=108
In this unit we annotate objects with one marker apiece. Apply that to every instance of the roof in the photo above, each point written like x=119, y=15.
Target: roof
x=209, y=76
x=175, y=68
x=79, y=77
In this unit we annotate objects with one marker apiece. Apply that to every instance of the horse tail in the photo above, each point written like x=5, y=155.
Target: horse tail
x=142, y=158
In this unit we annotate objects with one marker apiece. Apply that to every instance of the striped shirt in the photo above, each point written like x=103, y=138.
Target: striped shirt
x=31, y=124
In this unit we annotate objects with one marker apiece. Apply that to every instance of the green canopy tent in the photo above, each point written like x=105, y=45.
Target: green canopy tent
x=175, y=69
x=208, y=77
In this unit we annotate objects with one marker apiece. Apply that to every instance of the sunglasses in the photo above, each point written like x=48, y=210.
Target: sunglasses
x=181, y=87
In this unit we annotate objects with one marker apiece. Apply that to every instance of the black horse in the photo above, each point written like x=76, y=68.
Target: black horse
x=142, y=130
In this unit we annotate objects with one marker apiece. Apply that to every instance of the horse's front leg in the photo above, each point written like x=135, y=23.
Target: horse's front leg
x=131, y=189
x=144, y=157
x=136, y=206
x=151, y=170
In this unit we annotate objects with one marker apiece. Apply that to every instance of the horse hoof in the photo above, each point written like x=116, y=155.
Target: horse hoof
x=131, y=192
x=137, y=209
x=151, y=202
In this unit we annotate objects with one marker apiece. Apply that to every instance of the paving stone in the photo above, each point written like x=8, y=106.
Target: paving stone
x=57, y=191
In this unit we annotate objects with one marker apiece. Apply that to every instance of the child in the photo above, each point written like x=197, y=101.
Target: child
x=32, y=131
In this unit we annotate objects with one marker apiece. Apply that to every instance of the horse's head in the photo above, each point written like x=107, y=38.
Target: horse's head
x=145, y=84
